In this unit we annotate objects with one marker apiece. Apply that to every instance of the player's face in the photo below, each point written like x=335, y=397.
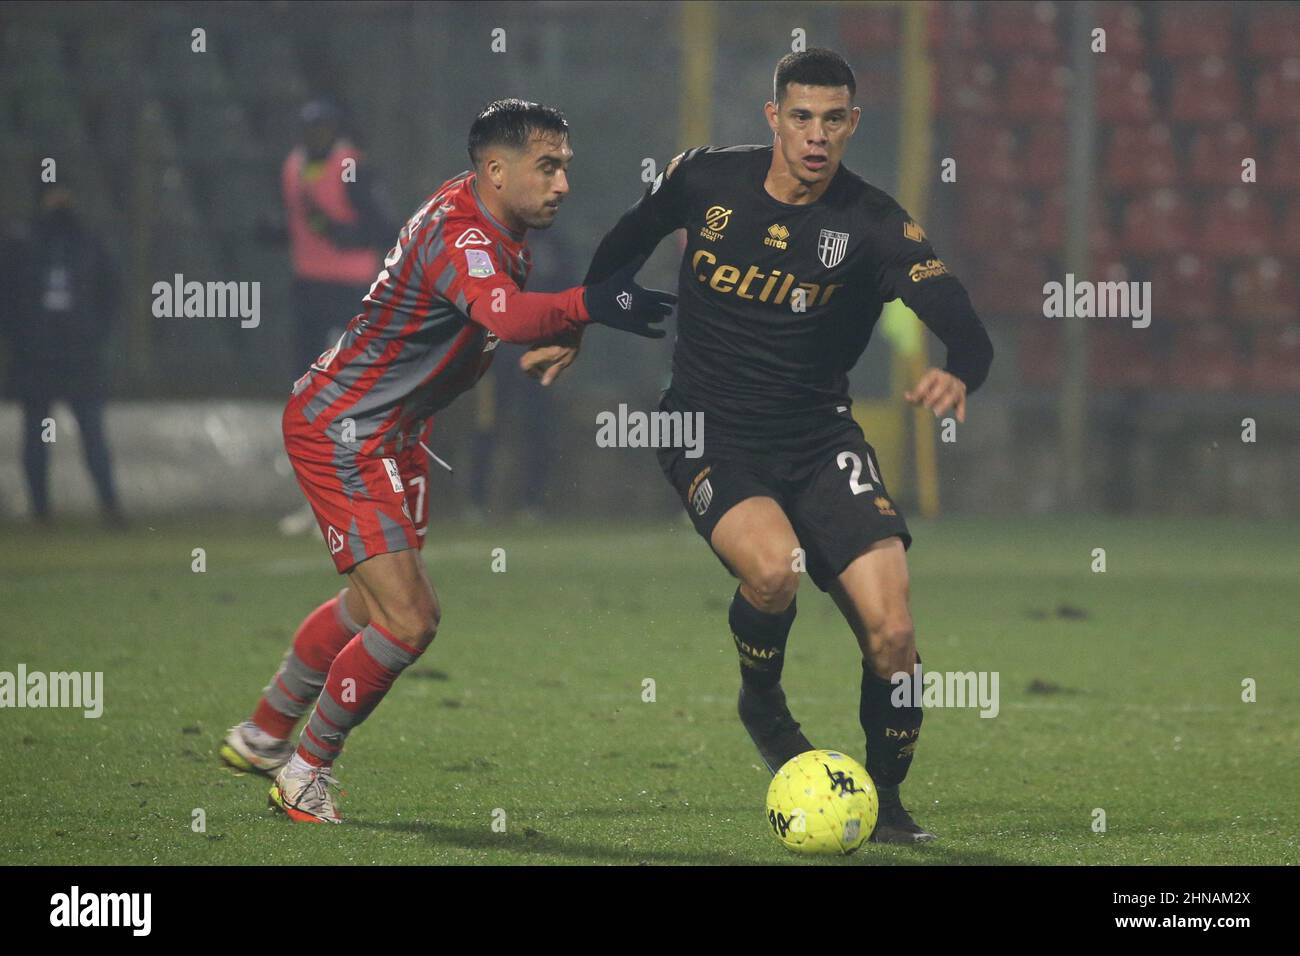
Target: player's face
x=537, y=181
x=812, y=126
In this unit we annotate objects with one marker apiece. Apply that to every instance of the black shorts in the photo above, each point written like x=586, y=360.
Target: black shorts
x=833, y=495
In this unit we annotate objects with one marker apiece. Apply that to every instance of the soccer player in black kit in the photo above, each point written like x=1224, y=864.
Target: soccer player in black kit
x=789, y=258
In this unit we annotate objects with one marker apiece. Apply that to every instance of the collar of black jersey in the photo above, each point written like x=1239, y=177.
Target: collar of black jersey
x=759, y=174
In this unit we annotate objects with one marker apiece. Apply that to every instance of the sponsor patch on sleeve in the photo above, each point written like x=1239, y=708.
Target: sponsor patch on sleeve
x=479, y=262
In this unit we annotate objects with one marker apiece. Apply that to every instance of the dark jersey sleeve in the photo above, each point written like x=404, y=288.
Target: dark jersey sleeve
x=659, y=212
x=909, y=269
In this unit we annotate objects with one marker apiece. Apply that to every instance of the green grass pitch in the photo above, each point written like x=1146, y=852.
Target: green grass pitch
x=530, y=700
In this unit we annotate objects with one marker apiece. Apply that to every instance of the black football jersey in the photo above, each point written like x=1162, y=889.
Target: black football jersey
x=776, y=301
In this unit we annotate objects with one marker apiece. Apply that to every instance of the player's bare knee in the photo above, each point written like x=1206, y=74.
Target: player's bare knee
x=772, y=585
x=413, y=619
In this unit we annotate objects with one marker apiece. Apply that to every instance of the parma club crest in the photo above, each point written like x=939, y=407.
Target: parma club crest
x=831, y=247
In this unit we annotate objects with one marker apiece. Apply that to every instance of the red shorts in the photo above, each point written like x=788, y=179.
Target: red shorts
x=365, y=505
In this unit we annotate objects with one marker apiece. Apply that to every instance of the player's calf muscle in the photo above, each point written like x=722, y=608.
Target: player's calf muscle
x=399, y=597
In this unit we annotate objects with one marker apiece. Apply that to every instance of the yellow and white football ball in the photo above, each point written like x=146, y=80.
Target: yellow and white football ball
x=822, y=801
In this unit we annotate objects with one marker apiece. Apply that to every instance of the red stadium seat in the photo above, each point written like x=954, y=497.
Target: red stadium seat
x=1039, y=352
x=1206, y=92
x=1123, y=25
x=1009, y=285
x=1141, y=157
x=954, y=26
x=1045, y=156
x=1196, y=29
x=1236, y=224
x=1277, y=93
x=965, y=86
x=1275, y=360
x=1274, y=31
x=1204, y=359
x=870, y=28
x=1022, y=26
x=991, y=218
x=1217, y=153
x=1036, y=89
x=1120, y=356
x=1281, y=168
x=1052, y=226
x=987, y=154
x=1264, y=292
x=1288, y=242
x=1123, y=93
x=1185, y=288
x=1156, y=224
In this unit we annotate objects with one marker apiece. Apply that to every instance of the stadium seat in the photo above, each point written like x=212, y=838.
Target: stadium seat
x=1264, y=292
x=965, y=86
x=1036, y=88
x=1274, y=31
x=1141, y=157
x=1185, y=288
x=953, y=27
x=1236, y=224
x=1207, y=91
x=1277, y=93
x=1275, y=360
x=987, y=154
x=1204, y=359
x=1217, y=153
x=1123, y=93
x=870, y=29
x=1052, y=226
x=1156, y=224
x=1280, y=169
x=1039, y=352
x=1045, y=157
x=1123, y=25
x=1009, y=285
x=1288, y=241
x=1195, y=30
x=1022, y=26
x=991, y=217
x=1120, y=356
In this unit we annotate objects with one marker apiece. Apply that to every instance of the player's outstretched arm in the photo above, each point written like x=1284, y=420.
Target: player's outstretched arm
x=639, y=230
x=546, y=360
x=946, y=310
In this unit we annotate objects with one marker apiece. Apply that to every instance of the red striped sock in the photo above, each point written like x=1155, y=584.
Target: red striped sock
x=358, y=680
x=297, y=683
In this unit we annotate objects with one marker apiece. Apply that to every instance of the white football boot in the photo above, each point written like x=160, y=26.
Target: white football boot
x=301, y=791
x=249, y=749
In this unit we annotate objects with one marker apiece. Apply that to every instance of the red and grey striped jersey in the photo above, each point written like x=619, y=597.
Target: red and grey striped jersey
x=414, y=347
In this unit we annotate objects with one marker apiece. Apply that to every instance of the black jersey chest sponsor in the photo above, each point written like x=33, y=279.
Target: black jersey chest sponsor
x=794, y=261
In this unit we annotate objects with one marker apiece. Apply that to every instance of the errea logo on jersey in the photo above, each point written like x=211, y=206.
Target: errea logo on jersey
x=472, y=236
x=777, y=234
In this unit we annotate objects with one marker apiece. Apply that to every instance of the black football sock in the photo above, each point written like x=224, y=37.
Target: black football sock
x=760, y=640
x=891, y=731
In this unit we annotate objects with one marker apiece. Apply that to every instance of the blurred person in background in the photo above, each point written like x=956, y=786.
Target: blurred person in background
x=338, y=221
x=58, y=303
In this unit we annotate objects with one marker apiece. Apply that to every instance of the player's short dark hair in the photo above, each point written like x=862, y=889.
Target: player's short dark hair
x=815, y=67
x=513, y=123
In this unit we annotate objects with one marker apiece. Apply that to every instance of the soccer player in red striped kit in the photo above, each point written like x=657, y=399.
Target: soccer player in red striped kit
x=357, y=425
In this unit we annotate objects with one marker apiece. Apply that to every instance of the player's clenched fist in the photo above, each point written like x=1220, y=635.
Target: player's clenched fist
x=939, y=391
